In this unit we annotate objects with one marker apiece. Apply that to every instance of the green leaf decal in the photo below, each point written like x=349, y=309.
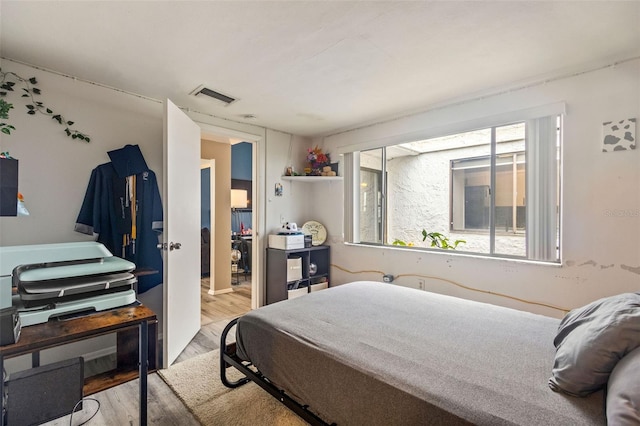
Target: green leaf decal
x=32, y=106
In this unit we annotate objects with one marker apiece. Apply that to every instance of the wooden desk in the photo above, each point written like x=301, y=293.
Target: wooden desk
x=133, y=324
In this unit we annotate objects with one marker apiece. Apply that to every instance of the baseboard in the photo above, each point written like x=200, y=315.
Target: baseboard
x=223, y=291
x=100, y=353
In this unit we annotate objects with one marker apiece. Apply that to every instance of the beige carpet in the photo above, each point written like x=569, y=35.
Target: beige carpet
x=197, y=383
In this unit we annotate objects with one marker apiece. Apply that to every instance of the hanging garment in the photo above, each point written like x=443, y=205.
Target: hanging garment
x=128, y=160
x=125, y=214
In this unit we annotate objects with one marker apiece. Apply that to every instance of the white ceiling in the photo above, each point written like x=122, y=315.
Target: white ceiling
x=317, y=67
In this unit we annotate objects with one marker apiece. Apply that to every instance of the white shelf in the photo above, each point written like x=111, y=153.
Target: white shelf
x=312, y=178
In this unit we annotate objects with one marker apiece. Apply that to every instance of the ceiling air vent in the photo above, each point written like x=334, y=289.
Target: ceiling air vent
x=203, y=91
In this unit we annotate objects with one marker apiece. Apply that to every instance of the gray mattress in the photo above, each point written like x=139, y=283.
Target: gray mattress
x=368, y=353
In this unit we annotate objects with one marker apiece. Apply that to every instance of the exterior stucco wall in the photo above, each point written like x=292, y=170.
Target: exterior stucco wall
x=419, y=198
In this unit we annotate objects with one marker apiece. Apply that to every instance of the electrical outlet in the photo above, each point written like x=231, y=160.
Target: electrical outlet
x=282, y=220
x=421, y=284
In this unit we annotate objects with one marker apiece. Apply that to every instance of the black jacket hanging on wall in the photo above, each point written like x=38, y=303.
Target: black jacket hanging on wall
x=107, y=212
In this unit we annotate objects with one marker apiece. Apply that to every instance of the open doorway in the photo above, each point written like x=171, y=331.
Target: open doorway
x=235, y=224
x=240, y=233
x=226, y=213
x=241, y=216
x=253, y=144
x=218, y=307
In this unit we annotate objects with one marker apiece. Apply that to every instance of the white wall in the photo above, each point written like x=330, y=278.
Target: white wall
x=600, y=202
x=54, y=170
x=292, y=205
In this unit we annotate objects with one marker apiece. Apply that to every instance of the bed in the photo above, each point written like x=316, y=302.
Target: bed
x=379, y=354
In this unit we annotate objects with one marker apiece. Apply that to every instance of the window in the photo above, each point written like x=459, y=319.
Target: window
x=496, y=188
x=371, y=205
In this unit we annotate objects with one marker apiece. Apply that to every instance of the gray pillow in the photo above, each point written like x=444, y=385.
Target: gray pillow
x=591, y=340
x=623, y=391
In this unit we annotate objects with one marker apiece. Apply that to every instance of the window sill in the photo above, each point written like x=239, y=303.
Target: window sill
x=312, y=178
x=457, y=253
x=484, y=232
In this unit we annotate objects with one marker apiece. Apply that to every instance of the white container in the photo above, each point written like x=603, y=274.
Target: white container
x=286, y=242
x=294, y=269
x=292, y=294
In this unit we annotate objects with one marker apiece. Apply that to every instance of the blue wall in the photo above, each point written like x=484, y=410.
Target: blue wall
x=241, y=168
x=241, y=161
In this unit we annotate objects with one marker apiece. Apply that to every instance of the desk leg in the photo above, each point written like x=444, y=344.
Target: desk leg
x=143, y=354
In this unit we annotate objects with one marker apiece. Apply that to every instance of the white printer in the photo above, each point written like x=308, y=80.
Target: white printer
x=286, y=242
x=53, y=280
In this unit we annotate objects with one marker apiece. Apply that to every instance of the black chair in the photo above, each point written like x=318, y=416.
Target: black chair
x=205, y=252
x=243, y=245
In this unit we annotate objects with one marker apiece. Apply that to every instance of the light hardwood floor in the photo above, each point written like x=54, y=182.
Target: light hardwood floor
x=119, y=405
x=216, y=312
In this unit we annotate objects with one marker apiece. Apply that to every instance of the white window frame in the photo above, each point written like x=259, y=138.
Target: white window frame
x=543, y=241
x=458, y=198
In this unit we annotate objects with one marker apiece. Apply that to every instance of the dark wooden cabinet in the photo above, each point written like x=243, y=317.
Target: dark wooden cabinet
x=284, y=281
x=8, y=187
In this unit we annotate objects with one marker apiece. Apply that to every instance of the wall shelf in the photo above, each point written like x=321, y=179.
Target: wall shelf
x=312, y=178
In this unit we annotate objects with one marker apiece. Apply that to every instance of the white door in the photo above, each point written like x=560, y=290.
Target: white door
x=181, y=236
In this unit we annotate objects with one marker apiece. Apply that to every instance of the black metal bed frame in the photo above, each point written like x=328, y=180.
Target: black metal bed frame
x=228, y=358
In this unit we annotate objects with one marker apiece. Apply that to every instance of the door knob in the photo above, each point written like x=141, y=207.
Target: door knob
x=172, y=246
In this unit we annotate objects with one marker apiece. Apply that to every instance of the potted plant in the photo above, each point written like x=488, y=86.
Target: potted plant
x=440, y=241
x=437, y=240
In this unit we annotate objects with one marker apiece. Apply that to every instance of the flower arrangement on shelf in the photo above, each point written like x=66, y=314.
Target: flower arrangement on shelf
x=316, y=158
x=317, y=162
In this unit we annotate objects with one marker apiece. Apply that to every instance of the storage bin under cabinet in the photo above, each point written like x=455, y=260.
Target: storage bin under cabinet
x=278, y=271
